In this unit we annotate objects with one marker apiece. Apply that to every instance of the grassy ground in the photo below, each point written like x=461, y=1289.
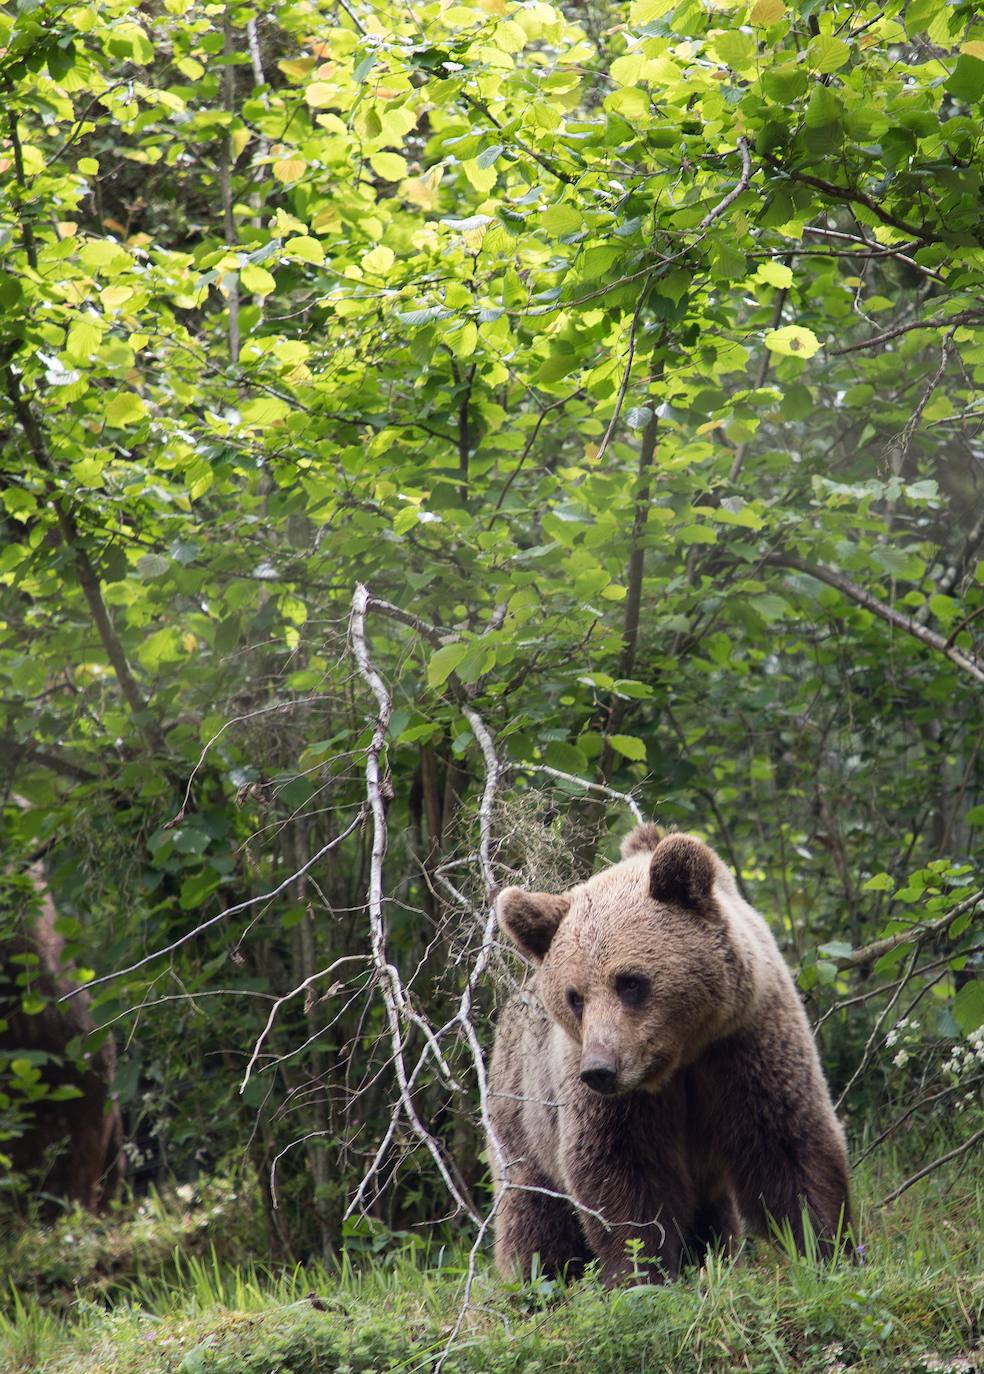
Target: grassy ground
x=146, y=1295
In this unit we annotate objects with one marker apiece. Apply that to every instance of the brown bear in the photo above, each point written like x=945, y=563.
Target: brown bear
x=657, y=1082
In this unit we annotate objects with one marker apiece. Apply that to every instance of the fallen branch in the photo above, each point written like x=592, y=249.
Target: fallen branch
x=394, y=996
x=968, y=1144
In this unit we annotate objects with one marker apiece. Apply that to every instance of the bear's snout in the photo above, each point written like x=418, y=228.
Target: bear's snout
x=599, y=1072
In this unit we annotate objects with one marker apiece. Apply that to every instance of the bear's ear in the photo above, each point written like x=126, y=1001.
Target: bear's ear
x=682, y=871
x=530, y=919
x=642, y=840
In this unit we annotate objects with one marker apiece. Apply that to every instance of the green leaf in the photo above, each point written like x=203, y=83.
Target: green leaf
x=561, y=220
x=881, y=882
x=967, y=81
x=152, y=565
x=898, y=562
x=125, y=408
x=968, y=1005
x=630, y=746
x=835, y=949
x=566, y=757
x=827, y=54
x=443, y=663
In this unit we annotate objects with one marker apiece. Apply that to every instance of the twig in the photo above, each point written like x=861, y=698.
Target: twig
x=394, y=998
x=627, y=373
x=852, y=195
x=214, y=920
x=625, y=797
x=876, y=1028
x=740, y=185
x=274, y=1010
x=965, y=317
x=968, y=1144
x=911, y=1111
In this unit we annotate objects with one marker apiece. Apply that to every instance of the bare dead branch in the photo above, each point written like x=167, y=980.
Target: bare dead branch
x=214, y=920
x=275, y=1009
x=903, y=1187
x=394, y=997
x=626, y=798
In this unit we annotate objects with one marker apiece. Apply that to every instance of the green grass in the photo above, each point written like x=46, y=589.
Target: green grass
x=917, y=1305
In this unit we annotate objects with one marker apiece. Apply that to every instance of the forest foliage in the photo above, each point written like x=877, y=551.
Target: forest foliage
x=629, y=355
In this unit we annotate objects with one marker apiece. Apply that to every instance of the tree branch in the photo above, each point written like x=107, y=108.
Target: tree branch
x=964, y=317
x=918, y=935
x=851, y=195
x=965, y=662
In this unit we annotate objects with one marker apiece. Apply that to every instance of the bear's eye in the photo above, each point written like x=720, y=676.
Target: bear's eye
x=632, y=989
x=575, y=1001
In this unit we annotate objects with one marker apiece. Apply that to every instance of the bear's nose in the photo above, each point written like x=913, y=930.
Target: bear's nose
x=599, y=1076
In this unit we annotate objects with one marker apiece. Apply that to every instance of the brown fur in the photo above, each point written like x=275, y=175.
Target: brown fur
x=716, y=1110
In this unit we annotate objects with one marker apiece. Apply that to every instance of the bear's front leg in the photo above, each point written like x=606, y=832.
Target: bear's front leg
x=786, y=1150
x=533, y=1224
x=636, y=1200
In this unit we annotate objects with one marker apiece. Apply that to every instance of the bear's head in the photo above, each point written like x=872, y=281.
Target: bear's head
x=638, y=965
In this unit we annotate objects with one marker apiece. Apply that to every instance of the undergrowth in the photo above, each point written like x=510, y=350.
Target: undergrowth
x=917, y=1305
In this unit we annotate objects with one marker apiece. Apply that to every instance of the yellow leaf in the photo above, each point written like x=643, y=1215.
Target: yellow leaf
x=327, y=220
x=423, y=191
x=257, y=280
x=296, y=68
x=645, y=11
x=126, y=408
x=767, y=12
x=319, y=94
x=975, y=48
x=510, y=37
x=792, y=342
x=774, y=274
x=289, y=168
x=305, y=248
x=481, y=178
x=460, y=16
x=114, y=296
x=67, y=228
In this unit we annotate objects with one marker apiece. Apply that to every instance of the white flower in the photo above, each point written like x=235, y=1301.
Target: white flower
x=901, y=1059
